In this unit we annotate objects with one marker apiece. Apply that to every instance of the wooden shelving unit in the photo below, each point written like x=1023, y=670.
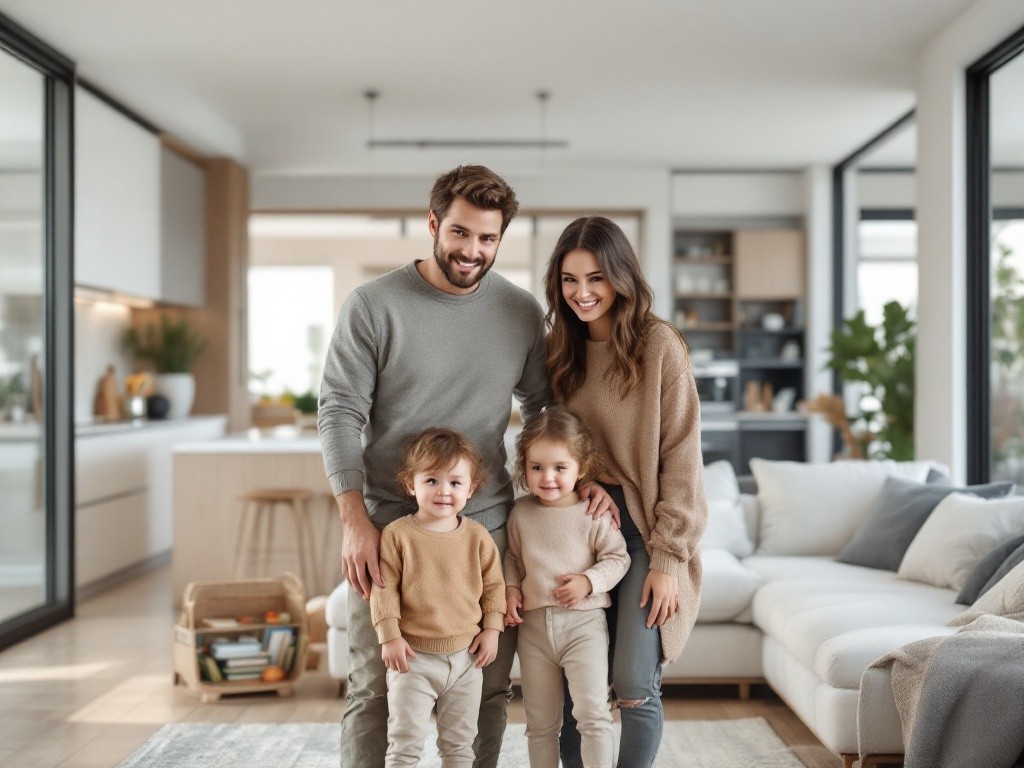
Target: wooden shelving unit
x=204, y=600
x=739, y=295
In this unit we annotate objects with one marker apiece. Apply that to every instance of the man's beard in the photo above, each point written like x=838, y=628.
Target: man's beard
x=444, y=263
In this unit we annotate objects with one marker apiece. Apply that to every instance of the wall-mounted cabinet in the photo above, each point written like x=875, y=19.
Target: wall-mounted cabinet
x=739, y=300
x=117, y=200
x=140, y=210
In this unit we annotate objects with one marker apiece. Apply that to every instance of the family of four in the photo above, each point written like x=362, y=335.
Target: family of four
x=595, y=573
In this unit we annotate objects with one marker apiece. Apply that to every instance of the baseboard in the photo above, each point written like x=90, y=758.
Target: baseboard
x=117, y=578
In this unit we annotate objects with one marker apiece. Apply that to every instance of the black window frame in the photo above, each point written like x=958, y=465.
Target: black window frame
x=979, y=217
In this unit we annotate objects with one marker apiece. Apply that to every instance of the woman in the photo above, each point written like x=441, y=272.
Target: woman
x=627, y=374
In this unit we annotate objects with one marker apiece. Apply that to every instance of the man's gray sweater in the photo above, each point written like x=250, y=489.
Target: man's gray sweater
x=406, y=357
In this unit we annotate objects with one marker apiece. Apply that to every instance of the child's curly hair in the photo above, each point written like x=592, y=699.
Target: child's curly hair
x=558, y=424
x=436, y=450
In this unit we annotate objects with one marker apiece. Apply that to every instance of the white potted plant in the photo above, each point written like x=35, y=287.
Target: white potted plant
x=173, y=347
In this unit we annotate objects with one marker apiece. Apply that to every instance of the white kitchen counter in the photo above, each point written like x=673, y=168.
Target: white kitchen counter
x=271, y=441
x=93, y=427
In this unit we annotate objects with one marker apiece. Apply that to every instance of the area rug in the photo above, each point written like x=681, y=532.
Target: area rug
x=746, y=743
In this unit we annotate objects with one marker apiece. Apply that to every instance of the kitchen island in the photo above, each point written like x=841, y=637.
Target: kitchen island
x=209, y=475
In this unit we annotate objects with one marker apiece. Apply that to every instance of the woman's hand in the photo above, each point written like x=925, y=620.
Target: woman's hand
x=600, y=502
x=663, y=592
x=514, y=606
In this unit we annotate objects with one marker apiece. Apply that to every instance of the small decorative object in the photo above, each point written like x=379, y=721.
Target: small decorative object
x=272, y=674
x=692, y=317
x=767, y=396
x=157, y=406
x=752, y=397
x=107, y=403
x=773, y=321
x=784, y=400
x=790, y=351
x=722, y=285
x=684, y=283
x=833, y=410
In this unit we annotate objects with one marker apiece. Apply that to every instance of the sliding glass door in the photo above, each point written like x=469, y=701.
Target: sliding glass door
x=35, y=336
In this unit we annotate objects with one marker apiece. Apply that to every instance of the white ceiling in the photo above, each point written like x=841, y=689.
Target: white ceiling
x=640, y=85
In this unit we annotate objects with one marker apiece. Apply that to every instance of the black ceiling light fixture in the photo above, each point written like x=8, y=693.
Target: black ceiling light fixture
x=467, y=143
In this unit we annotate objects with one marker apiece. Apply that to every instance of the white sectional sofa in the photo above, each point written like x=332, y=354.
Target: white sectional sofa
x=806, y=624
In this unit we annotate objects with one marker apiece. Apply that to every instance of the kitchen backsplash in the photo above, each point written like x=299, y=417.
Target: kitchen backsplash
x=99, y=328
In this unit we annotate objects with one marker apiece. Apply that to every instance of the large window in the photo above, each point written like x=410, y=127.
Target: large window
x=995, y=264
x=887, y=265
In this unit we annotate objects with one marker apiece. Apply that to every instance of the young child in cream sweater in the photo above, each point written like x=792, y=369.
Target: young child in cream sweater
x=559, y=567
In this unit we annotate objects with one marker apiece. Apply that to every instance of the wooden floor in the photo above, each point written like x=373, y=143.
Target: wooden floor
x=92, y=690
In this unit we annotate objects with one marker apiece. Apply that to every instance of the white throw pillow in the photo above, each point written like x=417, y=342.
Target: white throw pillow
x=957, y=534
x=726, y=526
x=1006, y=597
x=814, y=509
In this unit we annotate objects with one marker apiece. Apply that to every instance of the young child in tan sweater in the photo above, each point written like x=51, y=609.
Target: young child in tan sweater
x=442, y=606
x=559, y=567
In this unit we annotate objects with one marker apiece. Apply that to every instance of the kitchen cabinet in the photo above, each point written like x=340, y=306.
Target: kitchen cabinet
x=117, y=200
x=123, y=491
x=182, y=230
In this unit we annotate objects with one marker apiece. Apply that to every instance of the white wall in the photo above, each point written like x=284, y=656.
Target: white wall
x=642, y=191
x=886, y=190
x=940, y=412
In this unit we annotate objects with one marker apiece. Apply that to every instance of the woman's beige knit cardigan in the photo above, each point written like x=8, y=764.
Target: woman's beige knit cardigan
x=651, y=445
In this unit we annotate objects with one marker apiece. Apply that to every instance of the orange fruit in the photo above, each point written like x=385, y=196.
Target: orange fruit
x=272, y=674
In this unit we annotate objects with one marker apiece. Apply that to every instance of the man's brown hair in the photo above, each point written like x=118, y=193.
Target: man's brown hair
x=478, y=185
x=436, y=450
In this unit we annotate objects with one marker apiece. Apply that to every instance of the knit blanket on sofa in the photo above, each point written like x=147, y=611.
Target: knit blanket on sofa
x=959, y=697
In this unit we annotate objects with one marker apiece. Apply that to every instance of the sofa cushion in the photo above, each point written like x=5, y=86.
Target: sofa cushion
x=775, y=567
x=337, y=607
x=897, y=515
x=726, y=526
x=983, y=577
x=840, y=661
x=801, y=614
x=960, y=531
x=728, y=587
x=815, y=509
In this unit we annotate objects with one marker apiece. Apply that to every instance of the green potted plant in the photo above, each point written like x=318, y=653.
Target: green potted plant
x=882, y=359
x=172, y=347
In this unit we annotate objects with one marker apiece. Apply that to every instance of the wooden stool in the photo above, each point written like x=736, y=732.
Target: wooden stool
x=257, y=524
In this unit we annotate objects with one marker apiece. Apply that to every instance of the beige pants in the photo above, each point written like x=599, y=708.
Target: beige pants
x=452, y=683
x=552, y=640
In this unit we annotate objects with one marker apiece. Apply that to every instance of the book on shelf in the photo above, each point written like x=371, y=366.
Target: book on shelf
x=231, y=649
x=209, y=670
x=232, y=676
x=260, y=659
x=218, y=623
x=277, y=641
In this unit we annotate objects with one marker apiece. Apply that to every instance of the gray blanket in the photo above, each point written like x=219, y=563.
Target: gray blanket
x=961, y=697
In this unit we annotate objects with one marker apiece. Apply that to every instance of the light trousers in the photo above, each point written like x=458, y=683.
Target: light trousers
x=452, y=683
x=554, y=640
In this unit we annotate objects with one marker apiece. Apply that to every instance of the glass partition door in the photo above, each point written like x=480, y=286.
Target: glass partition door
x=36, y=585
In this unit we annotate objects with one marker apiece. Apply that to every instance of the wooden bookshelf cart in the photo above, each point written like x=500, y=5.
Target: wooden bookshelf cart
x=220, y=599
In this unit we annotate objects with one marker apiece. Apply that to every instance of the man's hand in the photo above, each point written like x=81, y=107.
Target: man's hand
x=514, y=602
x=600, y=502
x=395, y=654
x=575, y=586
x=485, y=647
x=360, y=544
x=663, y=592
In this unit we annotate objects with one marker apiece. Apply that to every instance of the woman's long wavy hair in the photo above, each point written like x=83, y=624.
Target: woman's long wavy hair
x=630, y=312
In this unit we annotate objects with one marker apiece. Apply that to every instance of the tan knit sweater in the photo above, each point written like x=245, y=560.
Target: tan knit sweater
x=545, y=543
x=651, y=443
x=438, y=586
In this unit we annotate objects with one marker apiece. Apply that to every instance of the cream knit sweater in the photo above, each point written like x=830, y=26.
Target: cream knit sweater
x=440, y=587
x=651, y=443
x=545, y=543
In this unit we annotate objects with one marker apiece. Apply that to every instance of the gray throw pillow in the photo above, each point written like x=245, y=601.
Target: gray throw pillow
x=1016, y=558
x=977, y=581
x=899, y=512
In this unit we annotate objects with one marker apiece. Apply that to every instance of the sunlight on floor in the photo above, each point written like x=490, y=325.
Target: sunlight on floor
x=131, y=701
x=62, y=672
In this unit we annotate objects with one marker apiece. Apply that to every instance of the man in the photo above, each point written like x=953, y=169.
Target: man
x=440, y=342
